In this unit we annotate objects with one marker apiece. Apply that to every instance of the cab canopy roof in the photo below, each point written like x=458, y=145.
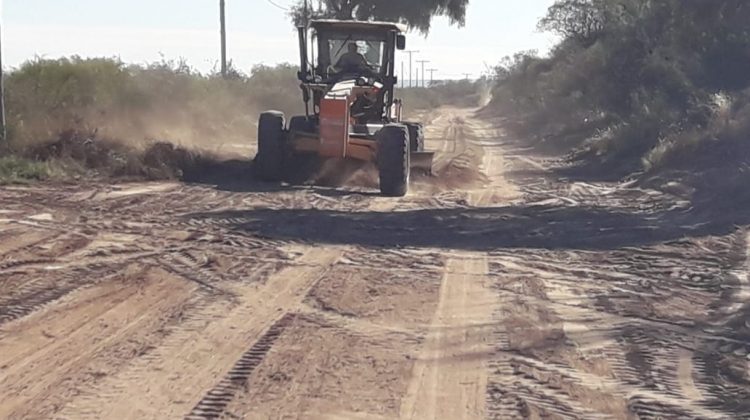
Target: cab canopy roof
x=353, y=25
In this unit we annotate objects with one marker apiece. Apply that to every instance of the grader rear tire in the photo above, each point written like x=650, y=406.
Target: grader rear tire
x=416, y=136
x=269, y=162
x=393, y=160
x=301, y=123
x=301, y=168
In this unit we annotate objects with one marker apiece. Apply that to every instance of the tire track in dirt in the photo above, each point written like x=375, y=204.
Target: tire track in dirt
x=456, y=168
x=55, y=267
x=450, y=375
x=45, y=356
x=494, y=166
x=215, y=402
x=608, y=333
x=25, y=292
x=449, y=378
x=16, y=240
x=224, y=395
x=362, y=304
x=202, y=348
x=175, y=258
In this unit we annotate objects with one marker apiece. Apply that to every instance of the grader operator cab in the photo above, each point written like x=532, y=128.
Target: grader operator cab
x=348, y=80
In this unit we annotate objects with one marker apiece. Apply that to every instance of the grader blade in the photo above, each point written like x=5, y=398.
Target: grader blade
x=422, y=161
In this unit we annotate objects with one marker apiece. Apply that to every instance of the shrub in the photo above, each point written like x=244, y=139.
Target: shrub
x=636, y=83
x=135, y=104
x=14, y=169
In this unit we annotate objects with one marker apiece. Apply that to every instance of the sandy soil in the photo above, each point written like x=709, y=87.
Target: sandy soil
x=493, y=290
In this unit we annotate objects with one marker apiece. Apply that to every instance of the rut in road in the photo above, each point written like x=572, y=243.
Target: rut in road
x=494, y=290
x=214, y=338
x=450, y=375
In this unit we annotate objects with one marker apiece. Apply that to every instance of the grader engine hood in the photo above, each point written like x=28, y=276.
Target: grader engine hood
x=334, y=126
x=352, y=87
x=343, y=88
x=336, y=116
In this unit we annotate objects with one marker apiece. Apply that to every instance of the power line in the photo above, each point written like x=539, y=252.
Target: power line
x=403, y=75
x=410, y=52
x=273, y=3
x=432, y=75
x=3, y=130
x=223, y=23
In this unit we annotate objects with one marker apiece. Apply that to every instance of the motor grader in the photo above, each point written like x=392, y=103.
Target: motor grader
x=347, y=79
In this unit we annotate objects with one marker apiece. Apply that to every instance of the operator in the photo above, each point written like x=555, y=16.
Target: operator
x=353, y=61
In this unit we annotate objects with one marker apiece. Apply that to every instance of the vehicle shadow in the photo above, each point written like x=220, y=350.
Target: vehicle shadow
x=545, y=227
x=230, y=175
x=238, y=176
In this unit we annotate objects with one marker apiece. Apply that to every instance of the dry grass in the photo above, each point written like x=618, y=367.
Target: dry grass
x=138, y=105
x=73, y=118
x=15, y=170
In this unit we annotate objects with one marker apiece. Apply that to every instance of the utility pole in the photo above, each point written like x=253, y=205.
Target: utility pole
x=466, y=75
x=223, y=38
x=410, y=52
x=422, y=62
x=3, y=130
x=432, y=75
x=403, y=76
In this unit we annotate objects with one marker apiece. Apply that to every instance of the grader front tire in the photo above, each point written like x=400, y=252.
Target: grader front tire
x=394, y=152
x=269, y=162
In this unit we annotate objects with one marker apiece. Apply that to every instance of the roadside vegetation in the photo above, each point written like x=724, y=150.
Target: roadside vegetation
x=638, y=87
x=74, y=117
x=89, y=117
x=15, y=169
x=164, y=101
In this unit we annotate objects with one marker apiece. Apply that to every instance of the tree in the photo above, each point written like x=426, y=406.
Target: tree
x=416, y=14
x=582, y=20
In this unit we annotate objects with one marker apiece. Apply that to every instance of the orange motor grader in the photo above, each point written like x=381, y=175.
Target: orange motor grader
x=347, y=80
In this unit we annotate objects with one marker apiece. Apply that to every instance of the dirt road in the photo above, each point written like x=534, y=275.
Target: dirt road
x=495, y=290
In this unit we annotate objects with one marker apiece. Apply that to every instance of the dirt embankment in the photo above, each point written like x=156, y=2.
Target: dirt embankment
x=493, y=290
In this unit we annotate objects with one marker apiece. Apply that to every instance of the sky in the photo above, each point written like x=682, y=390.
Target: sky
x=141, y=31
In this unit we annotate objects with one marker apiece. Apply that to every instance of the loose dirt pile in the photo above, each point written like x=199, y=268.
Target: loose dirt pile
x=85, y=155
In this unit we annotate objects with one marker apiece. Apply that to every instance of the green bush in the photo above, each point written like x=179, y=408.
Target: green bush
x=634, y=83
x=14, y=169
